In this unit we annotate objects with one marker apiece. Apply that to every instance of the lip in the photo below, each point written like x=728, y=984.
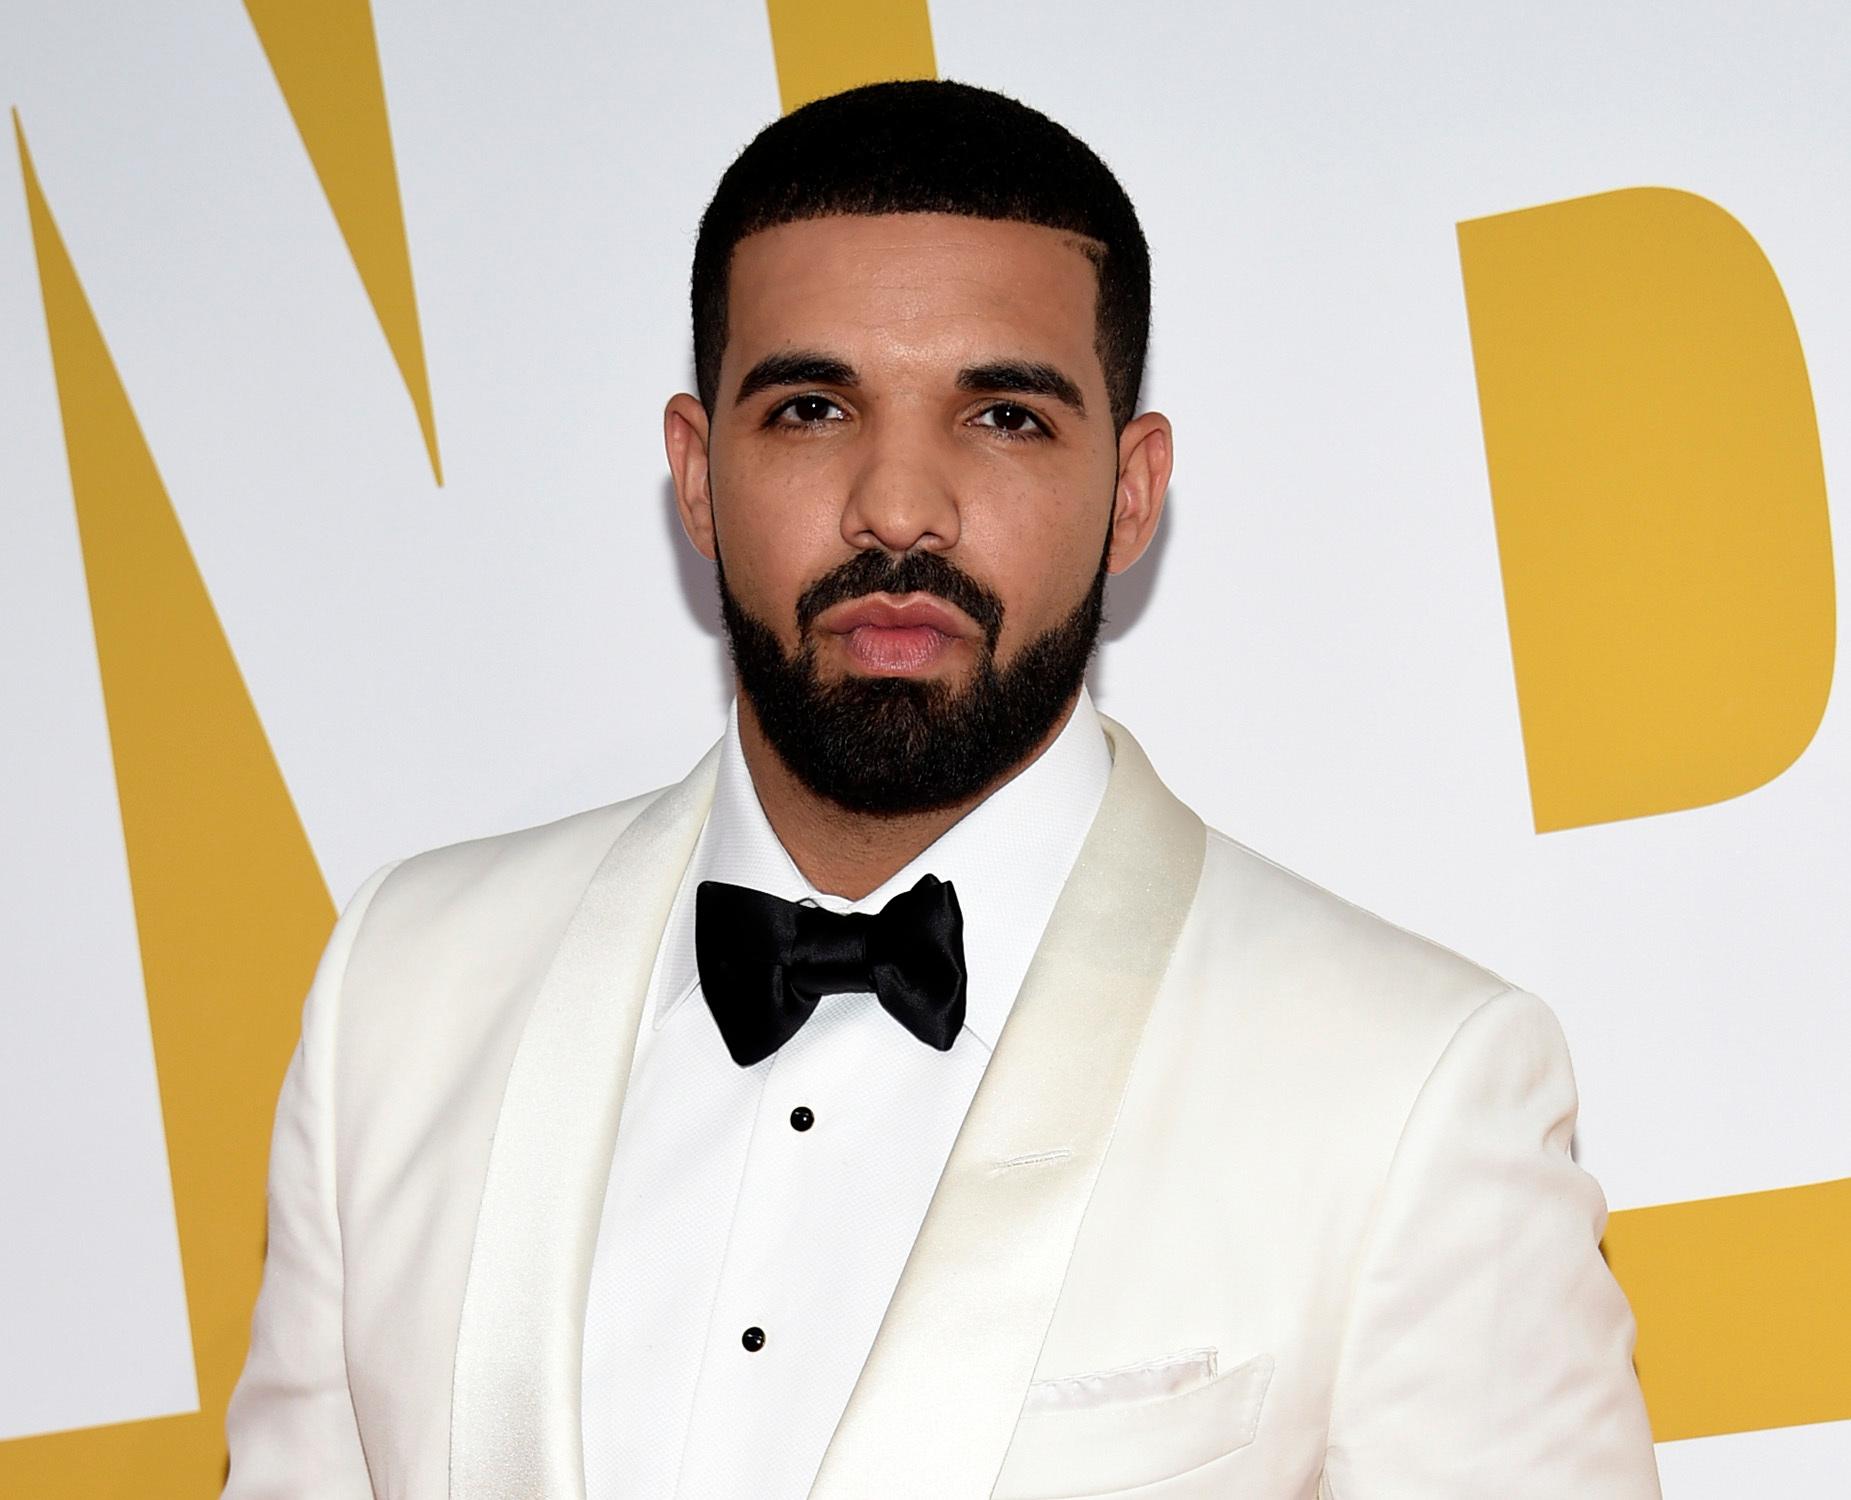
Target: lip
x=907, y=635
x=905, y=612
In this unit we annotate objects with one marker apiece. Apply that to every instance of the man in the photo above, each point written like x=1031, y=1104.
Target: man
x=917, y=1101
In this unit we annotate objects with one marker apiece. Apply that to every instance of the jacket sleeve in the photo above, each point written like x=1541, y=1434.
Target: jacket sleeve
x=291, y=1421
x=1488, y=1350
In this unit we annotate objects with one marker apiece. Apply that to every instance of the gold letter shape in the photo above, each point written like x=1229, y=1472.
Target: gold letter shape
x=1659, y=499
x=326, y=60
x=1744, y=1308
x=826, y=46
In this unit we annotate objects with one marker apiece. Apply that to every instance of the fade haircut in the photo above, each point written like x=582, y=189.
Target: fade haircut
x=934, y=148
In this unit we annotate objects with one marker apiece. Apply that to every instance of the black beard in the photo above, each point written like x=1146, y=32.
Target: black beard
x=893, y=745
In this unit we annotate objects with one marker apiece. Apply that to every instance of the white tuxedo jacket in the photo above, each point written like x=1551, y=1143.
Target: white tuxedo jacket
x=1260, y=1198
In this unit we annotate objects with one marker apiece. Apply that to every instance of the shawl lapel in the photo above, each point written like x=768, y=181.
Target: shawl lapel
x=514, y=1425
x=934, y=1410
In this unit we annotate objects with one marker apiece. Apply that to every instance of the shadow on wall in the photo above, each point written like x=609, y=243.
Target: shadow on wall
x=1127, y=596
x=699, y=591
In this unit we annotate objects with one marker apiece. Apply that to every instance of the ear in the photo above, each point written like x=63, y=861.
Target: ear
x=684, y=435
x=1144, y=461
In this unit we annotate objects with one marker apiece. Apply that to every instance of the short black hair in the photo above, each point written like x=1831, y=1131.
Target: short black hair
x=937, y=147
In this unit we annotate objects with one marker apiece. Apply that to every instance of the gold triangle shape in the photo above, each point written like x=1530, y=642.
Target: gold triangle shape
x=326, y=60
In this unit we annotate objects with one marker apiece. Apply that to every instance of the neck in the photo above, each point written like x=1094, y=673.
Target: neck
x=844, y=853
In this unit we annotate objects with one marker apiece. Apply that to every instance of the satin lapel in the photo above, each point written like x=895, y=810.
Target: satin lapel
x=932, y=1414
x=514, y=1416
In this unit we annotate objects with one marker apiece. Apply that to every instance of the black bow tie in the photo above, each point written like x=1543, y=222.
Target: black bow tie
x=766, y=962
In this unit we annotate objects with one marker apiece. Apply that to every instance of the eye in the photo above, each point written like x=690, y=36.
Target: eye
x=1012, y=420
x=805, y=411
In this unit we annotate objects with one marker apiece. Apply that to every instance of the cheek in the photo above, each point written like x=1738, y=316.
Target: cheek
x=777, y=534
x=1039, y=547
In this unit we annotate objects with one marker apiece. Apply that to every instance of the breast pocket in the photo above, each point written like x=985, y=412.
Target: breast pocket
x=1099, y=1435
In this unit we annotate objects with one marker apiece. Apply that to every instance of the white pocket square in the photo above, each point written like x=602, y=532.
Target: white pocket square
x=1107, y=1431
x=1167, y=1375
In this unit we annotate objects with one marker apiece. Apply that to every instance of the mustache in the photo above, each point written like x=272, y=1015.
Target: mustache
x=910, y=573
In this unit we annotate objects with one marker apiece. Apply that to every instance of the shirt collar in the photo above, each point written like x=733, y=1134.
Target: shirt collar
x=1009, y=857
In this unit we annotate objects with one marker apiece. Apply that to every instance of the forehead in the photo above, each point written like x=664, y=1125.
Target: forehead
x=918, y=284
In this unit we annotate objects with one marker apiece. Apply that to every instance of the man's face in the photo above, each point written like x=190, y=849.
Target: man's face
x=910, y=478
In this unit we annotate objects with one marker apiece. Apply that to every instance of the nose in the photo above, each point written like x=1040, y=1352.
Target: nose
x=902, y=494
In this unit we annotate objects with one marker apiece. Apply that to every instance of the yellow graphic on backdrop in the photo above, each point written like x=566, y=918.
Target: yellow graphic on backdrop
x=326, y=60
x=826, y=46
x=1744, y=1308
x=1659, y=498
x=230, y=908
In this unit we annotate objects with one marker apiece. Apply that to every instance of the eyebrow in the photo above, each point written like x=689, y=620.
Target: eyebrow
x=1017, y=377
x=795, y=367
x=1022, y=378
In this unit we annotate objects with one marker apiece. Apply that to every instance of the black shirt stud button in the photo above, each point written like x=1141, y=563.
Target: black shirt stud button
x=753, y=1339
x=801, y=1118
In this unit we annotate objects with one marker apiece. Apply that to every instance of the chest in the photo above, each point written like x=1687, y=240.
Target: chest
x=754, y=1226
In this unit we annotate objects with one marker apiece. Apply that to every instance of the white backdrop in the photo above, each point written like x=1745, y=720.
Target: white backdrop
x=1315, y=654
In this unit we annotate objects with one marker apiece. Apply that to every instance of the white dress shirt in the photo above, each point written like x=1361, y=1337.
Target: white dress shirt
x=723, y=1215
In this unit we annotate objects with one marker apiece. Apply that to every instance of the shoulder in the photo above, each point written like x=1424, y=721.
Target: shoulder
x=1278, y=906
x=522, y=882
x=1270, y=960
x=1328, y=1023
x=1317, y=972
x=449, y=949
